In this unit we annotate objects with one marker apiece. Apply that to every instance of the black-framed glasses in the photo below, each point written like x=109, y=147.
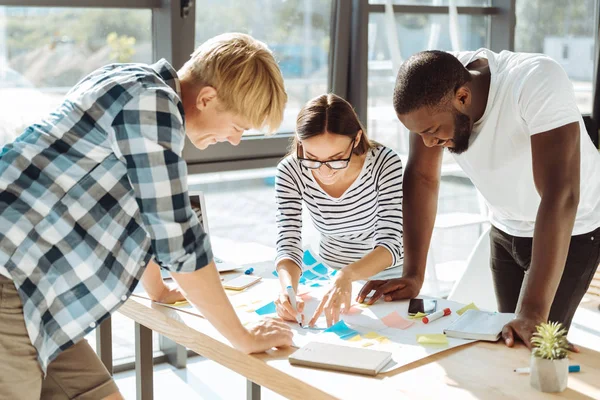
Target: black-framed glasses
x=332, y=164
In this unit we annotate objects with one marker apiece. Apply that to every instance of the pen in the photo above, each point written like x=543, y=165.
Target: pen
x=527, y=370
x=292, y=297
x=436, y=315
x=249, y=271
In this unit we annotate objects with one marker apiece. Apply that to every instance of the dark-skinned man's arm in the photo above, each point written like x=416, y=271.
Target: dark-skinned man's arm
x=556, y=163
x=421, y=187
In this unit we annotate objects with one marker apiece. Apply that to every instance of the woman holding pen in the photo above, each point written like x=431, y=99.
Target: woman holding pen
x=352, y=188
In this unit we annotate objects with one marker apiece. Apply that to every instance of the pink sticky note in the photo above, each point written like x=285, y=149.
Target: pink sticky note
x=353, y=310
x=305, y=297
x=394, y=320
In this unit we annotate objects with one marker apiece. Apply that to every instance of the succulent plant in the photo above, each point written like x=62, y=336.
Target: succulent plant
x=550, y=341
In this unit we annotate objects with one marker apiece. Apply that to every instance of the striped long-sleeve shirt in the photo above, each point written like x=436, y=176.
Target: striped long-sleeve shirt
x=367, y=215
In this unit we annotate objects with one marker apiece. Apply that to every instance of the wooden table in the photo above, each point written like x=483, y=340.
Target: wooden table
x=479, y=370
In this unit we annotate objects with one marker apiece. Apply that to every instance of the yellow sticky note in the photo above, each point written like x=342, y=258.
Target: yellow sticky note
x=362, y=305
x=367, y=344
x=418, y=315
x=383, y=340
x=432, y=338
x=181, y=303
x=372, y=335
x=356, y=338
x=471, y=306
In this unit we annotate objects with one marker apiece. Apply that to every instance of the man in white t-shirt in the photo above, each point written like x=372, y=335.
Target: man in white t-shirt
x=512, y=124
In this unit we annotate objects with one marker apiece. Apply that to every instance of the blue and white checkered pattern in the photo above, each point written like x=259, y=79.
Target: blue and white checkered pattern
x=90, y=194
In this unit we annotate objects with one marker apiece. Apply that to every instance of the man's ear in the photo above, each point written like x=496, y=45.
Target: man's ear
x=462, y=98
x=206, y=96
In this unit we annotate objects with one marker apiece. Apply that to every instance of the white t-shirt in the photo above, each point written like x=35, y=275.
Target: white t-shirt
x=529, y=94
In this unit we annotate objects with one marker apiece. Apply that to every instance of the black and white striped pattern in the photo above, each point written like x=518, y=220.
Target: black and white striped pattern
x=367, y=215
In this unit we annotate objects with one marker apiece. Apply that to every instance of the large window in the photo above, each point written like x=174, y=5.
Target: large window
x=566, y=31
x=45, y=51
x=297, y=31
x=414, y=33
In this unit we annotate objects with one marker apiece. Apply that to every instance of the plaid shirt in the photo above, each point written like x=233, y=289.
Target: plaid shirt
x=90, y=194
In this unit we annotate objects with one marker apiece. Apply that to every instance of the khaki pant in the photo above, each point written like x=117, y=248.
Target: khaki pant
x=77, y=373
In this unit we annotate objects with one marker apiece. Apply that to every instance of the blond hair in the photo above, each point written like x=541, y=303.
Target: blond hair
x=245, y=75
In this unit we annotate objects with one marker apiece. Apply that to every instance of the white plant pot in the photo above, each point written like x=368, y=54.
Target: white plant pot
x=549, y=375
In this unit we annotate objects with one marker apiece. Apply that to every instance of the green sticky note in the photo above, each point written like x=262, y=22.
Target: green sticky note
x=471, y=306
x=432, y=338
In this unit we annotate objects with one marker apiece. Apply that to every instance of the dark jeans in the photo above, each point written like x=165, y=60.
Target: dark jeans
x=510, y=260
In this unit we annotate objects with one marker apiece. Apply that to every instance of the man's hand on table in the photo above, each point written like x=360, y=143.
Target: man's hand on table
x=523, y=327
x=266, y=334
x=407, y=287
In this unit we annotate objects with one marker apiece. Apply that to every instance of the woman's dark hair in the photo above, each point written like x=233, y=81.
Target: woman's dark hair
x=330, y=113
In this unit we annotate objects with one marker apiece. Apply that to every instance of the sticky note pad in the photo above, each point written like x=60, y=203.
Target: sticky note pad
x=394, y=320
x=356, y=338
x=302, y=280
x=267, y=309
x=308, y=258
x=316, y=284
x=418, y=315
x=276, y=274
x=470, y=306
x=342, y=330
x=432, y=338
x=367, y=344
x=372, y=335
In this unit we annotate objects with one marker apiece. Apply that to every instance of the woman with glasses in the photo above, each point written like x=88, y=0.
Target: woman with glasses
x=352, y=189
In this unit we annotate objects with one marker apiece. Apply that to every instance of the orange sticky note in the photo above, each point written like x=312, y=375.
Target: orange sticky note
x=395, y=320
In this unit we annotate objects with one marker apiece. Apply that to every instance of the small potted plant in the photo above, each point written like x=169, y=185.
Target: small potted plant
x=549, y=362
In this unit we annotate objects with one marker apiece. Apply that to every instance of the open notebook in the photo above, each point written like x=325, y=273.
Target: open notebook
x=479, y=325
x=341, y=358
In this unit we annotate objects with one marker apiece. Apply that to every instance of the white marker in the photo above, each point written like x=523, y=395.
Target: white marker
x=436, y=315
x=292, y=297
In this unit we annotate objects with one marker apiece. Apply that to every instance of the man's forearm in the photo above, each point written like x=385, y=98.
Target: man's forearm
x=551, y=240
x=204, y=290
x=419, y=210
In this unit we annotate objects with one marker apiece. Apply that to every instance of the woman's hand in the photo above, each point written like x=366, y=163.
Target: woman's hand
x=285, y=310
x=337, y=299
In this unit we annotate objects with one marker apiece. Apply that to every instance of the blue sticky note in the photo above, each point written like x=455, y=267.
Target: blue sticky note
x=320, y=269
x=342, y=330
x=308, y=274
x=267, y=309
x=316, y=284
x=308, y=259
x=335, y=271
x=323, y=278
x=302, y=280
x=275, y=273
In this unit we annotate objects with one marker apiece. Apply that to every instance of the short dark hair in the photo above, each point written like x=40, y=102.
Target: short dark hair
x=426, y=78
x=330, y=113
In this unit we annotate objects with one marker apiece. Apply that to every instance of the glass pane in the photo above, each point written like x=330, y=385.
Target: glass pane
x=296, y=31
x=416, y=32
x=564, y=30
x=45, y=51
x=460, y=3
